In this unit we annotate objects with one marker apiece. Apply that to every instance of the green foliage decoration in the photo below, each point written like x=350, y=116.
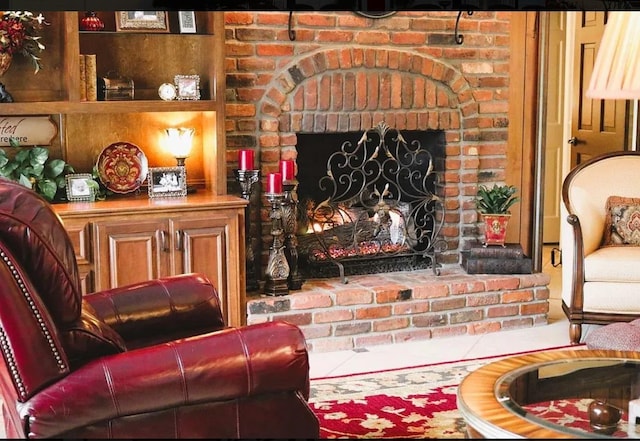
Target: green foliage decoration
x=497, y=199
x=31, y=167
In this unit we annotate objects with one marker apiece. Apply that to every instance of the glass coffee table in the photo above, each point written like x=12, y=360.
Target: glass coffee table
x=554, y=394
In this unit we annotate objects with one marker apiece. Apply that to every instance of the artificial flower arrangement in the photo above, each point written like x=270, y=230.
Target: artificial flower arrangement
x=20, y=33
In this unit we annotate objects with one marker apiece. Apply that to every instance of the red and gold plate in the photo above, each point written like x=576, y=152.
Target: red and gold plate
x=122, y=167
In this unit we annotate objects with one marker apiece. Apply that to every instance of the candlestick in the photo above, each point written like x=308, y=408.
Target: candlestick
x=247, y=179
x=245, y=160
x=274, y=183
x=290, y=225
x=287, y=170
x=277, y=270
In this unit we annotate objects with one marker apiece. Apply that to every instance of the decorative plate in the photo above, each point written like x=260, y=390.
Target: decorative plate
x=122, y=167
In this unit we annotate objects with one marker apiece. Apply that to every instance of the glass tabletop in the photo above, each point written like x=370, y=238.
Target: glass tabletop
x=580, y=397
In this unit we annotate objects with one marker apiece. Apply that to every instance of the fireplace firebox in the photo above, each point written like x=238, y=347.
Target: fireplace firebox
x=369, y=201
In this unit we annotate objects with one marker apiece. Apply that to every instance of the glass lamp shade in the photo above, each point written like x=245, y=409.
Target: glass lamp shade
x=180, y=142
x=616, y=71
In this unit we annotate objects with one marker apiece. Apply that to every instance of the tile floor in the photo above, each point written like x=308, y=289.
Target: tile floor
x=554, y=334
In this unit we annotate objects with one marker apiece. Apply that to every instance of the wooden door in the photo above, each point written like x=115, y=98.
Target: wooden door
x=131, y=251
x=597, y=126
x=554, y=142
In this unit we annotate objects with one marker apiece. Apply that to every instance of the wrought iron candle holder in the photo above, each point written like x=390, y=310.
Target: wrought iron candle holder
x=290, y=223
x=277, y=271
x=247, y=179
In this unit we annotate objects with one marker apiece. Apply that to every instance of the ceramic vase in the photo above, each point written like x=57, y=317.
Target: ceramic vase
x=91, y=22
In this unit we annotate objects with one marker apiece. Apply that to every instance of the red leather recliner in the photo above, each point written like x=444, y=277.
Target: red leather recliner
x=151, y=360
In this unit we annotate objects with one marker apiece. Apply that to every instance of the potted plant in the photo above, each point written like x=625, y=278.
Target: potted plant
x=494, y=204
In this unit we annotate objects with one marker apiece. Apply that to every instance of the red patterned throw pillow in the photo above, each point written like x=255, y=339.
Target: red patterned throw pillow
x=622, y=225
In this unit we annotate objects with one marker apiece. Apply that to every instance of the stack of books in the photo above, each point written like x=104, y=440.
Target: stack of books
x=88, y=78
x=494, y=259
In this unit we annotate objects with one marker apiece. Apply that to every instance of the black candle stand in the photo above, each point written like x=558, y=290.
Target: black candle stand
x=247, y=179
x=290, y=223
x=277, y=271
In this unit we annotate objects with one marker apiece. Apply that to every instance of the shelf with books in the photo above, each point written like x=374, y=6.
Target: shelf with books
x=148, y=59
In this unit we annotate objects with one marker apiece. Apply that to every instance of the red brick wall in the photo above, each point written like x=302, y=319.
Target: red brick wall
x=344, y=72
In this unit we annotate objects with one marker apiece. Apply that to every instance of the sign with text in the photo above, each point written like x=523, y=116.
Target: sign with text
x=27, y=130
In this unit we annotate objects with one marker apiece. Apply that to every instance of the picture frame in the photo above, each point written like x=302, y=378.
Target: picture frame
x=187, y=86
x=187, y=22
x=142, y=21
x=167, y=182
x=78, y=189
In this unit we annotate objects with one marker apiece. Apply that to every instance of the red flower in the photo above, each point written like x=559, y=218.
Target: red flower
x=19, y=33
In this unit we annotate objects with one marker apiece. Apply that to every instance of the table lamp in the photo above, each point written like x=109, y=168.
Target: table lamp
x=180, y=142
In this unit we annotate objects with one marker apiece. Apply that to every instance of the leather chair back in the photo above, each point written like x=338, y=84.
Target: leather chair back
x=35, y=236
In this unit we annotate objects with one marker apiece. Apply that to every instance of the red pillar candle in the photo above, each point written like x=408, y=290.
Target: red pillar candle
x=245, y=160
x=274, y=183
x=286, y=169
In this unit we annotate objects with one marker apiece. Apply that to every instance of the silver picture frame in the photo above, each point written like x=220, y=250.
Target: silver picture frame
x=142, y=21
x=167, y=182
x=78, y=189
x=187, y=87
x=187, y=22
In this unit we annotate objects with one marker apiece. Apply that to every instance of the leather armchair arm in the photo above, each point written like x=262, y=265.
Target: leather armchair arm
x=160, y=310
x=229, y=364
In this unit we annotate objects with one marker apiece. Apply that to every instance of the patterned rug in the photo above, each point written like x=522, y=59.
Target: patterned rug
x=416, y=402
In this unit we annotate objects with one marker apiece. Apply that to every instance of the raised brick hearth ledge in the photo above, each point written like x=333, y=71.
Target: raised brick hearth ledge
x=403, y=306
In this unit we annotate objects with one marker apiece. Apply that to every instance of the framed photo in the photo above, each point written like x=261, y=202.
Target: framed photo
x=187, y=21
x=188, y=87
x=142, y=21
x=78, y=189
x=167, y=182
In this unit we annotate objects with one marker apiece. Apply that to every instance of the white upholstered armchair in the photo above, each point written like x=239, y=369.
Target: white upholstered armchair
x=600, y=241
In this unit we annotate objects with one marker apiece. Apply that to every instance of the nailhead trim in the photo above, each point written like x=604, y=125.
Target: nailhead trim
x=3, y=337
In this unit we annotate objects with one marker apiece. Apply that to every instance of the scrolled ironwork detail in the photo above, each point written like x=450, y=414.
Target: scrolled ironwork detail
x=379, y=201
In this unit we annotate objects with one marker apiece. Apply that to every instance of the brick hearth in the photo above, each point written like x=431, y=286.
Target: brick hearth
x=403, y=306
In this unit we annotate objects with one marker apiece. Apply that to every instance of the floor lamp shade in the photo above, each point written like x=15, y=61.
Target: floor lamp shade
x=616, y=71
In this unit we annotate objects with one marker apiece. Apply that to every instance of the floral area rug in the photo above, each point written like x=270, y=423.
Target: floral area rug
x=416, y=402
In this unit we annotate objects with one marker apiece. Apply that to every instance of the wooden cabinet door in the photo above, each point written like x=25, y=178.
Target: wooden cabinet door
x=200, y=247
x=211, y=244
x=131, y=251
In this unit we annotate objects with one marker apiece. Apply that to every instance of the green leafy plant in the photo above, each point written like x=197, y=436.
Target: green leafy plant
x=497, y=199
x=31, y=167
x=99, y=190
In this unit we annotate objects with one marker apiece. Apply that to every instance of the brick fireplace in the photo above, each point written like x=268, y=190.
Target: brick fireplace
x=346, y=73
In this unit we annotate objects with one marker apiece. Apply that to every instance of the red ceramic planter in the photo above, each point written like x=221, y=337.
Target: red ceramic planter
x=495, y=228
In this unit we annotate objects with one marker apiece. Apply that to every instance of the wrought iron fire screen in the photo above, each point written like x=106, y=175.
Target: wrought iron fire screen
x=378, y=201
